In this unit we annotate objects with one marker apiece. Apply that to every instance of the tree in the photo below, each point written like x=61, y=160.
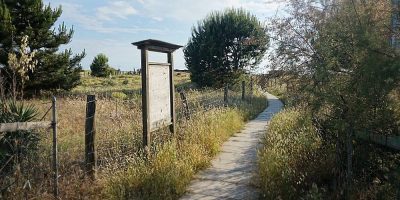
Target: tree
x=224, y=46
x=340, y=51
x=100, y=66
x=30, y=17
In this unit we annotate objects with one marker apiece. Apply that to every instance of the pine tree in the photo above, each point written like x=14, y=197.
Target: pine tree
x=32, y=18
x=100, y=66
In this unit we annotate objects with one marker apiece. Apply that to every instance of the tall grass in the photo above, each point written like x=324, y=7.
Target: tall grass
x=167, y=173
x=294, y=157
x=122, y=170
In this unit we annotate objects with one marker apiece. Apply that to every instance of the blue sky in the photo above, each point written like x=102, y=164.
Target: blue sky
x=109, y=27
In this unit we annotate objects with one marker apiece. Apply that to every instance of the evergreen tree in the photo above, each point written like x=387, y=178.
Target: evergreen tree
x=100, y=66
x=224, y=46
x=32, y=18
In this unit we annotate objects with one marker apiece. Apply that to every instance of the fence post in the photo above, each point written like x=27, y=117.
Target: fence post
x=226, y=95
x=90, y=132
x=251, y=86
x=55, y=152
x=185, y=104
x=243, y=90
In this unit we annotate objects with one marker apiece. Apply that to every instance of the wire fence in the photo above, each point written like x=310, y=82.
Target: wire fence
x=117, y=123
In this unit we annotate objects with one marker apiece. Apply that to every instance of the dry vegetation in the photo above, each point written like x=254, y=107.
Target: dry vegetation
x=123, y=172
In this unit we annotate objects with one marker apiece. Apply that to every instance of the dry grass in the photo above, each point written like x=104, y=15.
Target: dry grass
x=293, y=158
x=120, y=83
x=167, y=173
x=122, y=170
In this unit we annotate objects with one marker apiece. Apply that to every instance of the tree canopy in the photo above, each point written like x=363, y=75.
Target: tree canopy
x=33, y=19
x=224, y=46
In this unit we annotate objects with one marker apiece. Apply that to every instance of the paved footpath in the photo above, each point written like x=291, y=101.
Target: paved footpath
x=232, y=171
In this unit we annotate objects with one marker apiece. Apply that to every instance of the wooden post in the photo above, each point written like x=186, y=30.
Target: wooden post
x=243, y=90
x=172, y=92
x=90, y=133
x=226, y=95
x=55, y=151
x=251, y=86
x=186, y=111
x=145, y=100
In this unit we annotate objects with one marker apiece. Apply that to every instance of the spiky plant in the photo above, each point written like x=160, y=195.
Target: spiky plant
x=16, y=146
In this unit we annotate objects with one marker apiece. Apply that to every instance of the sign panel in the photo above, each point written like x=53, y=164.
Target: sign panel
x=159, y=96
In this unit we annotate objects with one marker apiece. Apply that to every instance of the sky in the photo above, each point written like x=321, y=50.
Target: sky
x=110, y=26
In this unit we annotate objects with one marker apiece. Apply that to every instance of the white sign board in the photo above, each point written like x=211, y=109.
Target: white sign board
x=159, y=97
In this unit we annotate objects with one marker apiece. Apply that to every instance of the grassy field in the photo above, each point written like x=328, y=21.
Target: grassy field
x=123, y=172
x=121, y=83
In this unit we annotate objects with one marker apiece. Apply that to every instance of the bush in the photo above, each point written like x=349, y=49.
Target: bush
x=108, y=82
x=119, y=95
x=293, y=158
x=17, y=149
x=125, y=82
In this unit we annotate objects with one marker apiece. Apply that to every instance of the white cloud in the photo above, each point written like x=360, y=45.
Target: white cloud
x=160, y=19
x=75, y=13
x=116, y=9
x=192, y=11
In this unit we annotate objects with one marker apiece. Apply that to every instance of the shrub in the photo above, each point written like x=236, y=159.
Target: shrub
x=293, y=158
x=125, y=82
x=17, y=149
x=119, y=95
x=108, y=82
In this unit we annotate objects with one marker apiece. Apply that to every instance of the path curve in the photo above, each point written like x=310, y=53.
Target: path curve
x=230, y=175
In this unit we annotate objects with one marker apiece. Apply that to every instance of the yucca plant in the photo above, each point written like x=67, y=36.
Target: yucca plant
x=16, y=146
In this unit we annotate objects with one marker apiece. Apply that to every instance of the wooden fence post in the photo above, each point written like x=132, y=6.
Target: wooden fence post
x=243, y=90
x=55, y=151
x=251, y=86
x=90, y=132
x=226, y=95
x=186, y=111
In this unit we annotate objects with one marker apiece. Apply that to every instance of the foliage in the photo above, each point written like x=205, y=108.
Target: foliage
x=100, y=66
x=224, y=46
x=16, y=146
x=31, y=18
x=119, y=95
x=339, y=51
x=21, y=66
x=294, y=158
x=378, y=176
